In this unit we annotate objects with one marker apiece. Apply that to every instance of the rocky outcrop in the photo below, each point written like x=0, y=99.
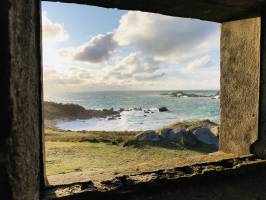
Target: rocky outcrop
x=149, y=135
x=205, y=135
x=199, y=132
x=172, y=134
x=60, y=111
x=181, y=136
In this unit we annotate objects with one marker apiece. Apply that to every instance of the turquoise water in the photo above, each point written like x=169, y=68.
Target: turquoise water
x=179, y=109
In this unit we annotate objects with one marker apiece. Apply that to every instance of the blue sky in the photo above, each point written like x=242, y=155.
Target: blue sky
x=92, y=48
x=82, y=22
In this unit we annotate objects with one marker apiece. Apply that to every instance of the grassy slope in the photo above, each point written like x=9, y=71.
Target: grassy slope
x=64, y=157
x=95, y=155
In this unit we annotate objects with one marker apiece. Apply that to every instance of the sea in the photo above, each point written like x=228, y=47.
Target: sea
x=141, y=109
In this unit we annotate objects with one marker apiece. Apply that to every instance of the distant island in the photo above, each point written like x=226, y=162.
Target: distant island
x=183, y=94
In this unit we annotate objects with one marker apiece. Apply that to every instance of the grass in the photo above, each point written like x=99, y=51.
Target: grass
x=97, y=155
x=65, y=157
x=88, y=136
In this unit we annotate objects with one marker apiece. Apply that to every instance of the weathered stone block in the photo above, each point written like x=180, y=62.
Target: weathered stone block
x=240, y=74
x=21, y=165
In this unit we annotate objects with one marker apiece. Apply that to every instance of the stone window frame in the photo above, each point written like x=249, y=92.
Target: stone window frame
x=240, y=144
x=22, y=140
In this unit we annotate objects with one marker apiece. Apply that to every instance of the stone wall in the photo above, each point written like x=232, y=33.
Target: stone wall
x=21, y=146
x=239, y=85
x=20, y=116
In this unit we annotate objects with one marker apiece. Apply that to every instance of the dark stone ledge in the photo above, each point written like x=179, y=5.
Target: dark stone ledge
x=211, y=10
x=152, y=182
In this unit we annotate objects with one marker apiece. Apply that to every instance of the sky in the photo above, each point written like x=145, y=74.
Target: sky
x=87, y=48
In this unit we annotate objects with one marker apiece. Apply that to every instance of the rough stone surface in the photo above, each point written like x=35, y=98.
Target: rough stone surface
x=20, y=116
x=259, y=147
x=240, y=68
x=165, y=133
x=238, y=179
x=172, y=134
x=205, y=135
x=188, y=139
x=211, y=10
x=20, y=103
x=149, y=135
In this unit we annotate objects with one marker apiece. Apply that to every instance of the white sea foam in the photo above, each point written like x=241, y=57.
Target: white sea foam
x=179, y=109
x=129, y=121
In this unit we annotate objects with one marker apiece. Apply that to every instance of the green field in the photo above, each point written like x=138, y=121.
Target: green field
x=97, y=156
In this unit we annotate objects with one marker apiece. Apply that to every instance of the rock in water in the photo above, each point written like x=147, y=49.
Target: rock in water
x=163, y=109
x=146, y=136
x=205, y=135
x=111, y=118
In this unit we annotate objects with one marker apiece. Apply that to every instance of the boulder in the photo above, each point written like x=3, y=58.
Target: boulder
x=148, y=136
x=165, y=133
x=181, y=136
x=172, y=134
x=178, y=133
x=188, y=139
x=163, y=109
x=204, y=135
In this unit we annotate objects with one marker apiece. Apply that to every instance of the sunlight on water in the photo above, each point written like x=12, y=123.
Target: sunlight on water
x=148, y=117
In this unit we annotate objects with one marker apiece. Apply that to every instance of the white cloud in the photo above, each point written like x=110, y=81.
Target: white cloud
x=56, y=82
x=52, y=32
x=136, y=66
x=129, y=72
x=172, y=53
x=201, y=63
x=166, y=37
x=54, y=77
x=98, y=49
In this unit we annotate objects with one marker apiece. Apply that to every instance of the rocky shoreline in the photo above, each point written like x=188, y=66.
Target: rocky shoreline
x=60, y=111
x=185, y=133
x=55, y=113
